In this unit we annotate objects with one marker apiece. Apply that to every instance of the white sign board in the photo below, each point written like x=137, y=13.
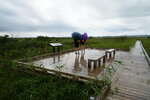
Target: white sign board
x=55, y=44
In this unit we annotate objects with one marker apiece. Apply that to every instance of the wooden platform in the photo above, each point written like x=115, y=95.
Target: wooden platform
x=132, y=80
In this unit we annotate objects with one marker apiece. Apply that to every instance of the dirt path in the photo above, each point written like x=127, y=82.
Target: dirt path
x=132, y=80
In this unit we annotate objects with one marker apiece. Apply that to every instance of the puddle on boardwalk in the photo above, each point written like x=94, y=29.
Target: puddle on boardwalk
x=75, y=62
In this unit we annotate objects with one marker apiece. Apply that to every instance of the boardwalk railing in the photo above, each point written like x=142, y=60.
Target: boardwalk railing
x=145, y=53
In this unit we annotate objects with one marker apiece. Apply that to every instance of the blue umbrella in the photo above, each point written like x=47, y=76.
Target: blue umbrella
x=76, y=35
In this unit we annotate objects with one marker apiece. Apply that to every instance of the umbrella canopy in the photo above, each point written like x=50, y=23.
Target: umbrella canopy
x=84, y=36
x=76, y=35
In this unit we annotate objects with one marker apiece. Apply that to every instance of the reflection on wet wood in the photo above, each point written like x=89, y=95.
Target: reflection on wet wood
x=94, y=72
x=76, y=62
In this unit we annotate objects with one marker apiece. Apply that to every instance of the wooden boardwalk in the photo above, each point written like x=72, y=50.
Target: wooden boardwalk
x=132, y=80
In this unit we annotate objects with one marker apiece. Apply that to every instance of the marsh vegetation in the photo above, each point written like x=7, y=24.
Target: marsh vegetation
x=18, y=83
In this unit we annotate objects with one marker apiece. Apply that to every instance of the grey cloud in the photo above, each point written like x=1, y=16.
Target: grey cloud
x=118, y=29
x=21, y=16
x=121, y=8
x=55, y=26
x=6, y=12
x=11, y=21
x=138, y=8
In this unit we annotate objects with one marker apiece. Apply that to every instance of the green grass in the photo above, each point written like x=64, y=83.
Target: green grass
x=121, y=43
x=14, y=48
x=146, y=44
x=30, y=85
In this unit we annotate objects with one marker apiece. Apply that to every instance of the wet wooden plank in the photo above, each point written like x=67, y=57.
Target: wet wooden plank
x=133, y=77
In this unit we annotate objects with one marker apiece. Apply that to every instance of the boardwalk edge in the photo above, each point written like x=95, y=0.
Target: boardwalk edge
x=145, y=53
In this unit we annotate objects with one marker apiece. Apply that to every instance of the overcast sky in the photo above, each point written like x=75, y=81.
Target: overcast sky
x=29, y=18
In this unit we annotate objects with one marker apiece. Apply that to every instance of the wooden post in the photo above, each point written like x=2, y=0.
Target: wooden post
x=58, y=48
x=95, y=64
x=99, y=62
x=114, y=53
x=110, y=55
x=53, y=49
x=104, y=60
x=106, y=54
x=89, y=64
